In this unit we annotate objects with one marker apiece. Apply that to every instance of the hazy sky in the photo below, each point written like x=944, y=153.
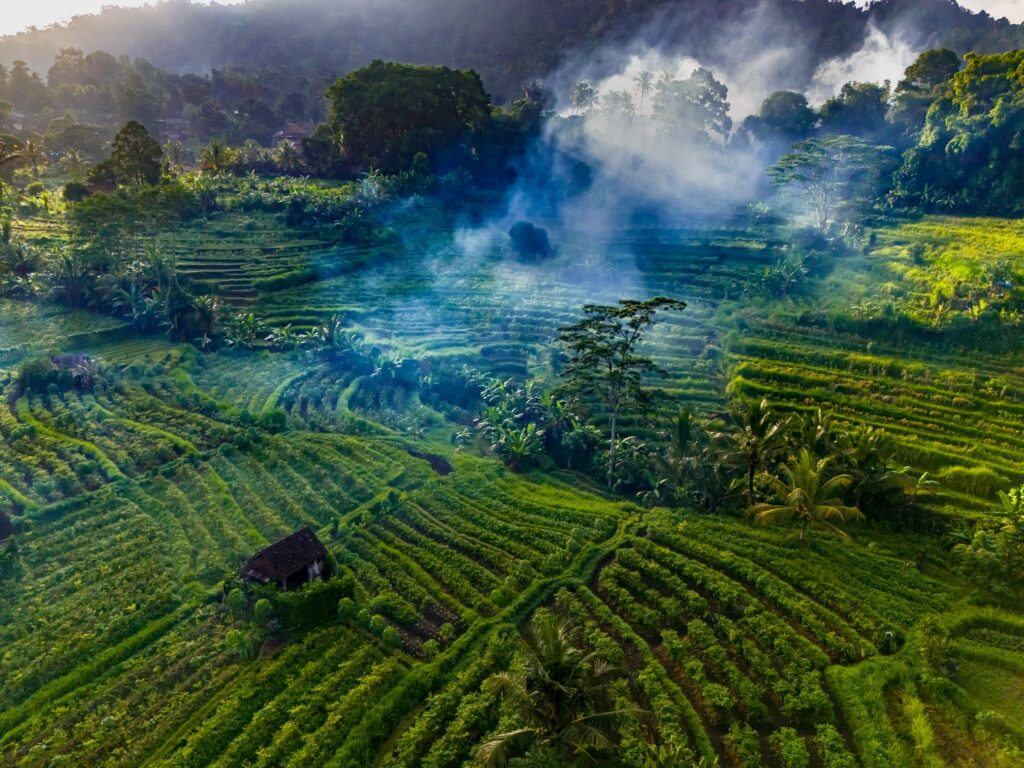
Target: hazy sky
x=20, y=14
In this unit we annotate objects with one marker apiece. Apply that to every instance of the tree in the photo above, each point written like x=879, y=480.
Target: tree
x=583, y=97
x=923, y=82
x=756, y=439
x=644, y=84
x=867, y=456
x=604, y=359
x=805, y=492
x=287, y=157
x=33, y=153
x=73, y=164
x=386, y=113
x=858, y=110
x=834, y=176
x=784, y=117
x=968, y=156
x=10, y=153
x=135, y=158
x=559, y=693
x=695, y=109
x=217, y=157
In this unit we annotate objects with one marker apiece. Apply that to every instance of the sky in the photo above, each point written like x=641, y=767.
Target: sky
x=17, y=16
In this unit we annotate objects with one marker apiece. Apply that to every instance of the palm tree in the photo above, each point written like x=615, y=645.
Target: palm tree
x=73, y=164
x=286, y=158
x=559, y=694
x=757, y=438
x=583, y=97
x=217, y=157
x=867, y=455
x=805, y=492
x=644, y=83
x=70, y=276
x=33, y=153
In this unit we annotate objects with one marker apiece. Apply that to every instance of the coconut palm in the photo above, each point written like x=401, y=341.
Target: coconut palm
x=757, y=437
x=644, y=83
x=805, y=491
x=560, y=696
x=868, y=456
x=583, y=97
x=217, y=157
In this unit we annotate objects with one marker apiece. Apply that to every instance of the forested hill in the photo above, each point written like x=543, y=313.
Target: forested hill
x=507, y=41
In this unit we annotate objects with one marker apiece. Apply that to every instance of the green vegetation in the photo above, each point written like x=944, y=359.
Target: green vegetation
x=772, y=516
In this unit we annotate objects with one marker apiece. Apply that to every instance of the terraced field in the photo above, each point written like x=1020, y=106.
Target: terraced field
x=28, y=326
x=743, y=646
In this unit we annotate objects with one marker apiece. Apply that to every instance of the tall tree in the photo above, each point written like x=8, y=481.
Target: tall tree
x=784, y=117
x=695, y=109
x=135, y=158
x=756, y=438
x=387, y=113
x=923, y=82
x=834, y=176
x=583, y=97
x=644, y=84
x=858, y=110
x=605, y=362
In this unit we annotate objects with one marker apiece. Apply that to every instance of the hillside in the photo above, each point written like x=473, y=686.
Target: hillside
x=651, y=418
x=742, y=644
x=508, y=41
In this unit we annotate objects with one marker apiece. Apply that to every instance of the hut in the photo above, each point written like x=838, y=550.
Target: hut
x=289, y=563
x=81, y=367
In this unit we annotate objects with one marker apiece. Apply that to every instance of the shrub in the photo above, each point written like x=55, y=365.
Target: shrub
x=790, y=748
x=529, y=242
x=391, y=637
x=75, y=191
x=38, y=372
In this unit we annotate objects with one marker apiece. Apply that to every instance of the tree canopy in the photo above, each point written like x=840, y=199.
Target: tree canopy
x=387, y=113
x=970, y=154
x=135, y=158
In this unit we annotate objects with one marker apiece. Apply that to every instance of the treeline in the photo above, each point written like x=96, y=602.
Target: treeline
x=947, y=137
x=82, y=98
x=508, y=42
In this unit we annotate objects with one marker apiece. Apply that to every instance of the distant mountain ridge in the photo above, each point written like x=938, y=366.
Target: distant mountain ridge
x=507, y=41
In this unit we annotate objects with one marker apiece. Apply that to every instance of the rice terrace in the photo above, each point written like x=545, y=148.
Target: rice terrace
x=397, y=384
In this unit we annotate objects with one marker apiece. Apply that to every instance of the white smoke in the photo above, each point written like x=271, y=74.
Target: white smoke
x=882, y=57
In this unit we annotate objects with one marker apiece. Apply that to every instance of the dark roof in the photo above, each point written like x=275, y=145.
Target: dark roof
x=70, y=360
x=281, y=560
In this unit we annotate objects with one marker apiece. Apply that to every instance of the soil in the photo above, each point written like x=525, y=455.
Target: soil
x=437, y=463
